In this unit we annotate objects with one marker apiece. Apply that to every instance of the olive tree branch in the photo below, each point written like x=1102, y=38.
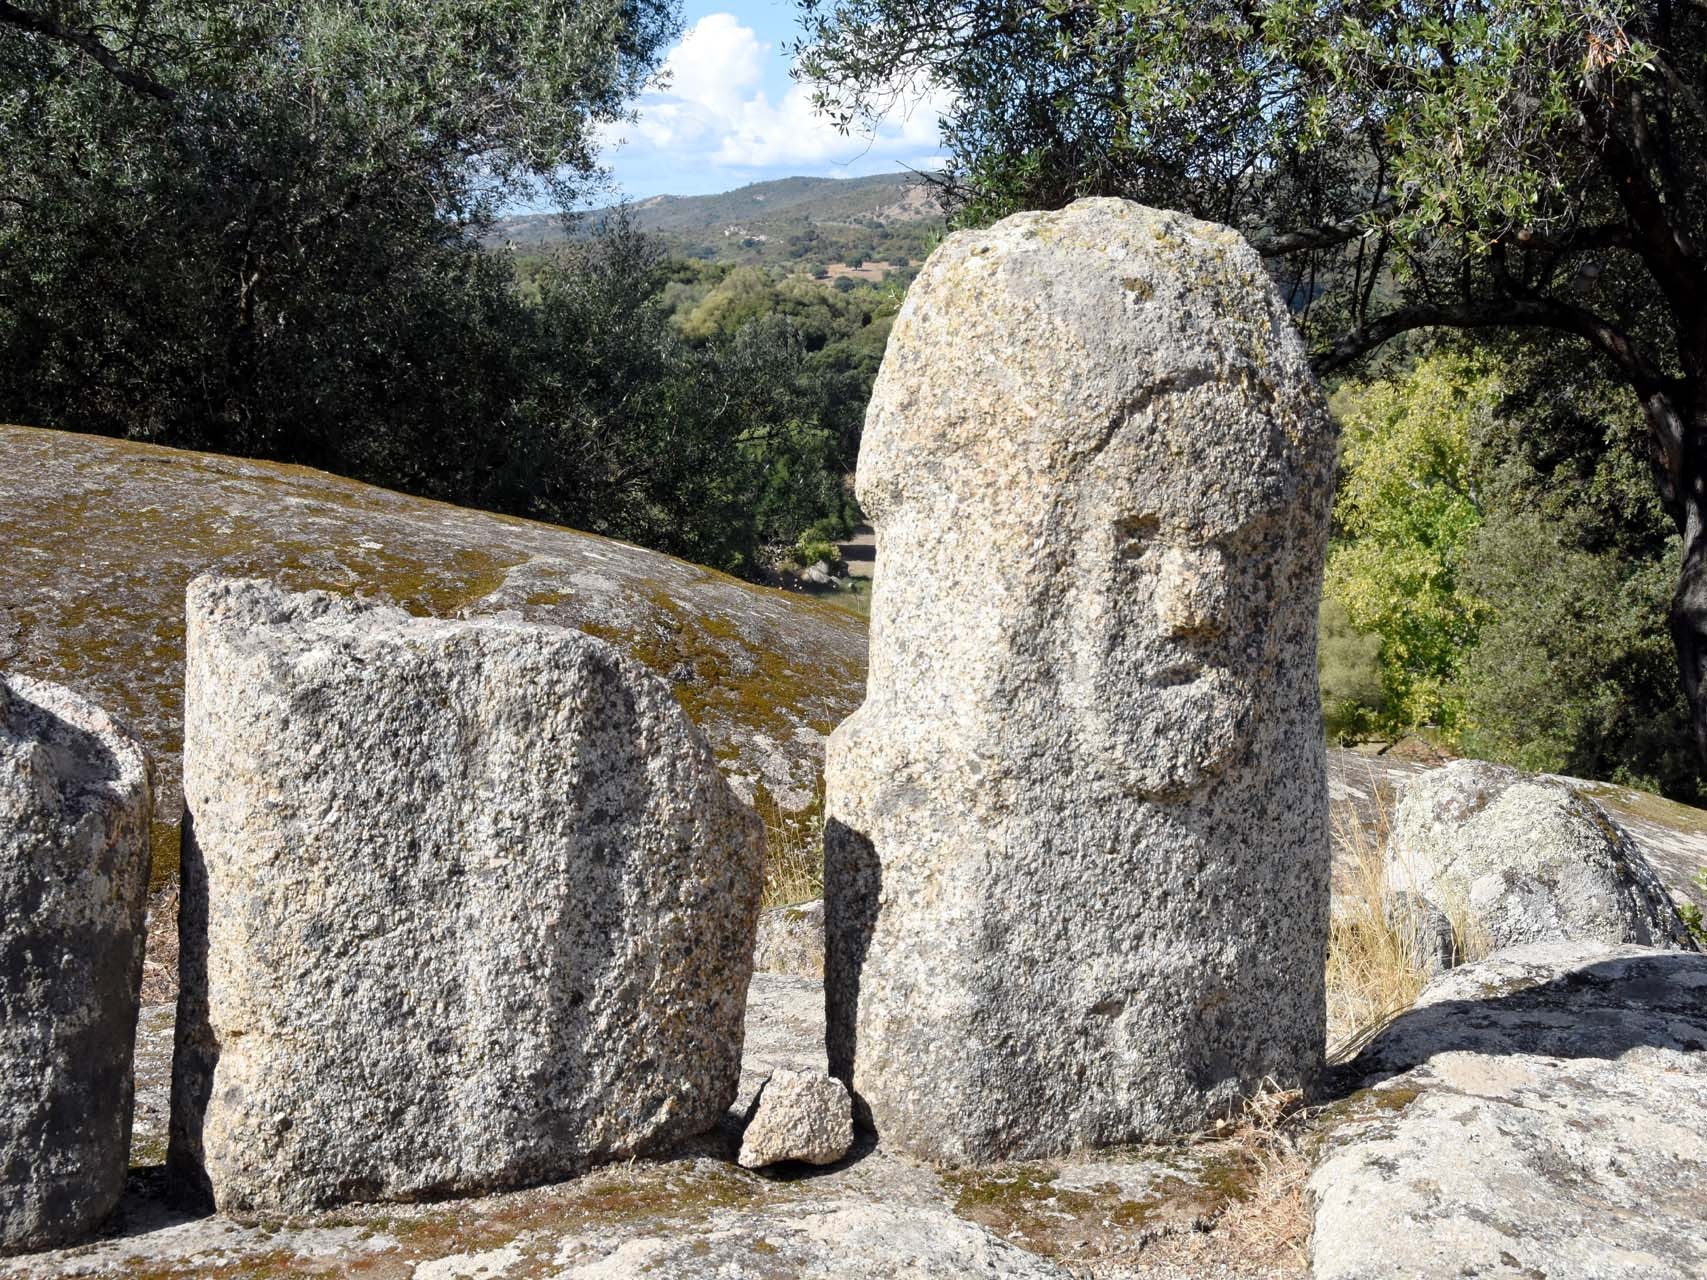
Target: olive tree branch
x=85, y=42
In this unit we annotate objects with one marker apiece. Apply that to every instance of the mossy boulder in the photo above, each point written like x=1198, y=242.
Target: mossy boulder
x=101, y=537
x=1518, y=859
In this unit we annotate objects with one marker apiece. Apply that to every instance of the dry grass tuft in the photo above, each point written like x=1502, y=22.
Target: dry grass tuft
x=1375, y=971
x=1271, y=1224
x=794, y=851
x=160, y=960
x=1261, y=1225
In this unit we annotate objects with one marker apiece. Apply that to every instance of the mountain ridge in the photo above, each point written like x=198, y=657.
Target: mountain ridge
x=720, y=225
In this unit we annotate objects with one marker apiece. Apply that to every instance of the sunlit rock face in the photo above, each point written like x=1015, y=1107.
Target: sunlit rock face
x=99, y=538
x=467, y=905
x=1077, y=878
x=1507, y=859
x=1536, y=1113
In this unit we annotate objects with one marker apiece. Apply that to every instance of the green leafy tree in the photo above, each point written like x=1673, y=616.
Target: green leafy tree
x=1406, y=164
x=1574, y=672
x=745, y=294
x=1404, y=518
x=1349, y=664
x=1571, y=674
x=252, y=228
x=1501, y=542
x=715, y=449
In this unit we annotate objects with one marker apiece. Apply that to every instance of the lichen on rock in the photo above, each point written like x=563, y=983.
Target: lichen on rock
x=1514, y=859
x=467, y=905
x=103, y=535
x=1548, y=1123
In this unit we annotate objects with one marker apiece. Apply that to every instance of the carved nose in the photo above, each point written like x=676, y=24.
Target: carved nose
x=1191, y=593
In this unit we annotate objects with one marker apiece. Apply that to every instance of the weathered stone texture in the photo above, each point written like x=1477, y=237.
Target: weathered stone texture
x=1513, y=859
x=834, y=1240
x=798, y=1115
x=1536, y=1114
x=791, y=939
x=466, y=905
x=74, y=813
x=1077, y=859
x=692, y=1213
x=101, y=536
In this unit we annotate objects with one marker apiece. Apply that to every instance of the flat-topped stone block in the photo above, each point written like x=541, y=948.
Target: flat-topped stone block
x=467, y=905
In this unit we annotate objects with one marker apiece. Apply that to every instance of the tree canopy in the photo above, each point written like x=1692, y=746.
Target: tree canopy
x=256, y=229
x=249, y=227
x=1403, y=521
x=1535, y=165
x=1416, y=162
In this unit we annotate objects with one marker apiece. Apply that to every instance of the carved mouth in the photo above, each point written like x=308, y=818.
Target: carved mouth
x=1177, y=674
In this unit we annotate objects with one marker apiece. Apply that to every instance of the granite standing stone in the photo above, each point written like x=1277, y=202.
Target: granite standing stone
x=1077, y=855
x=75, y=805
x=467, y=905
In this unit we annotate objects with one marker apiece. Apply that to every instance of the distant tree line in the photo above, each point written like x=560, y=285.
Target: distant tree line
x=815, y=246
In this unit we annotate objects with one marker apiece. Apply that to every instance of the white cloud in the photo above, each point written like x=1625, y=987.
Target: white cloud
x=717, y=63
x=714, y=109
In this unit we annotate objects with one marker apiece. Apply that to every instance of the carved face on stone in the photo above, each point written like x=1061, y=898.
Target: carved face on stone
x=1171, y=606
x=1099, y=471
x=1122, y=616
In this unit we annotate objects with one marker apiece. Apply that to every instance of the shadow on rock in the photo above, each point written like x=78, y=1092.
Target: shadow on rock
x=1517, y=1003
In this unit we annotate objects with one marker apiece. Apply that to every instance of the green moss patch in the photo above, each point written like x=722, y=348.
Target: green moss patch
x=1643, y=806
x=106, y=534
x=1028, y=1203
x=163, y=847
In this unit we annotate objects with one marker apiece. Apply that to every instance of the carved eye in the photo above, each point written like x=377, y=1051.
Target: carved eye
x=1251, y=538
x=1134, y=535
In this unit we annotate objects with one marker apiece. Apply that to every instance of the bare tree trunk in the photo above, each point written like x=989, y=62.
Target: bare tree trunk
x=1689, y=616
x=1682, y=437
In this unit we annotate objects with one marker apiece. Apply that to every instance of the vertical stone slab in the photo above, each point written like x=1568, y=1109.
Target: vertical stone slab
x=467, y=905
x=75, y=806
x=1077, y=857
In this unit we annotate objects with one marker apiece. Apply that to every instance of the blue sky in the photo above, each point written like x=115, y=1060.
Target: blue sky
x=729, y=114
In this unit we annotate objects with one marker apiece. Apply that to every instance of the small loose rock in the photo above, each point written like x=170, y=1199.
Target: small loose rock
x=798, y=1115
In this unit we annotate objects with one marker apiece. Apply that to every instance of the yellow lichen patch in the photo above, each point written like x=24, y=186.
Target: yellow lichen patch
x=394, y=1240
x=547, y=599
x=528, y=1227
x=1178, y=1189
x=1364, y=1104
x=147, y=1150
x=719, y=674
x=1027, y=1204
